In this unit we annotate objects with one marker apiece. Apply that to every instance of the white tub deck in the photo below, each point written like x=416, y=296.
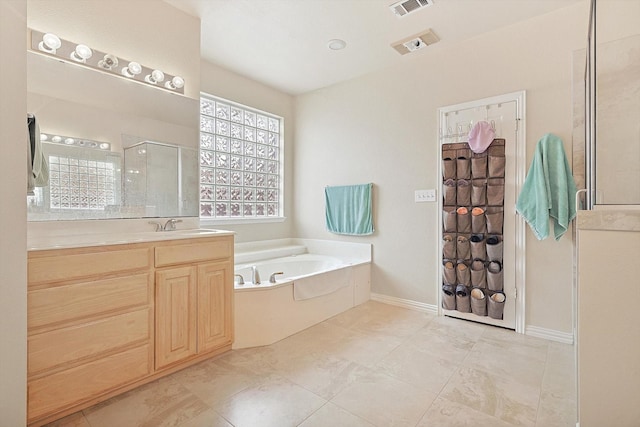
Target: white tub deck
x=267, y=313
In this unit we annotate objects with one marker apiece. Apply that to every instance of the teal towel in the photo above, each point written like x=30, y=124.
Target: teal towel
x=348, y=209
x=549, y=190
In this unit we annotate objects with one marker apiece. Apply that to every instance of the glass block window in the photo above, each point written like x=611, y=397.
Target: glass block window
x=240, y=161
x=82, y=184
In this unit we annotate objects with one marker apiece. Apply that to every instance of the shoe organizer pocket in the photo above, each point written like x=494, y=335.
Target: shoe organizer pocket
x=478, y=221
x=495, y=305
x=463, y=220
x=478, y=274
x=449, y=167
x=449, y=216
x=478, y=247
x=462, y=299
x=494, y=248
x=479, y=192
x=449, y=272
x=463, y=197
x=496, y=166
x=479, y=167
x=495, y=192
x=449, y=246
x=449, y=192
x=494, y=222
x=478, y=302
x=463, y=275
x=463, y=247
x=463, y=167
x=448, y=297
x=495, y=277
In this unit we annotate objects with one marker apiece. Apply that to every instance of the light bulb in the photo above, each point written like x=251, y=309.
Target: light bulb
x=69, y=141
x=175, y=83
x=56, y=138
x=44, y=137
x=50, y=43
x=155, y=77
x=108, y=62
x=81, y=53
x=104, y=145
x=132, y=70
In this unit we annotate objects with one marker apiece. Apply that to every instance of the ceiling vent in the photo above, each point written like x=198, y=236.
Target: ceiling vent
x=405, y=7
x=415, y=42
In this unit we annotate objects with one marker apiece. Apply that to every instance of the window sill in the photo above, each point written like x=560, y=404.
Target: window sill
x=240, y=221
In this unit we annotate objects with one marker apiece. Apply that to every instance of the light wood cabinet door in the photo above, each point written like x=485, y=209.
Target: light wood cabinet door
x=215, y=302
x=176, y=320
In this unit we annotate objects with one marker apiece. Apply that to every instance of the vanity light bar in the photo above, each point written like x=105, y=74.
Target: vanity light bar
x=76, y=142
x=73, y=53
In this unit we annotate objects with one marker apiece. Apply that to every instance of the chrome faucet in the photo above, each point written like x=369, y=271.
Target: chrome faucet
x=159, y=226
x=240, y=279
x=255, y=275
x=272, y=278
x=170, y=225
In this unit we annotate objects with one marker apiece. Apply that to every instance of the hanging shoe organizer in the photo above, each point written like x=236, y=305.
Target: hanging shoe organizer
x=473, y=187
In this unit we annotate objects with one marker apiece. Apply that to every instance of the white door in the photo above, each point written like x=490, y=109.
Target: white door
x=506, y=114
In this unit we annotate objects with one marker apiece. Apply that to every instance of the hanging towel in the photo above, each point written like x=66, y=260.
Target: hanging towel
x=549, y=190
x=348, y=209
x=39, y=170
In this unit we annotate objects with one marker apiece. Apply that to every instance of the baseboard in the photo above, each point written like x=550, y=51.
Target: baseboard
x=549, y=334
x=405, y=303
x=534, y=331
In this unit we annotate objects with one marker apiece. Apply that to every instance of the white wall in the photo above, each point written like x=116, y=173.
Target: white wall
x=13, y=215
x=225, y=84
x=609, y=342
x=382, y=128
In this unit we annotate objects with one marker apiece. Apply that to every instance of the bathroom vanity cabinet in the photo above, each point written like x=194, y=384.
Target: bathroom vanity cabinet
x=105, y=319
x=193, y=300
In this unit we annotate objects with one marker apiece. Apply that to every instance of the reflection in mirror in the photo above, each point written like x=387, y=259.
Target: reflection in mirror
x=158, y=180
x=91, y=105
x=83, y=182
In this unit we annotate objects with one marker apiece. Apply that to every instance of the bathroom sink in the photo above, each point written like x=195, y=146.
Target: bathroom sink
x=196, y=231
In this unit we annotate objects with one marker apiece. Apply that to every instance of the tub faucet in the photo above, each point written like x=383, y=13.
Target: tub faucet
x=272, y=278
x=255, y=275
x=240, y=279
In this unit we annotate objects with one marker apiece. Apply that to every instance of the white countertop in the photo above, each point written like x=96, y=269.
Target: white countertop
x=44, y=242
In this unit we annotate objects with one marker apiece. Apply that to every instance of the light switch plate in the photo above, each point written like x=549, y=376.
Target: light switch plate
x=425, y=196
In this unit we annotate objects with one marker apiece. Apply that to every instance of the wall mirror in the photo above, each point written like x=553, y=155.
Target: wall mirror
x=115, y=148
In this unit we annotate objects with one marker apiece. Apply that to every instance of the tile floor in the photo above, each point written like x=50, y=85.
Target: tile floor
x=374, y=365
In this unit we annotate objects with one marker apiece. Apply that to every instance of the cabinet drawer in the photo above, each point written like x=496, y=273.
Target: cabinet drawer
x=82, y=300
x=73, y=386
x=193, y=252
x=65, y=345
x=70, y=266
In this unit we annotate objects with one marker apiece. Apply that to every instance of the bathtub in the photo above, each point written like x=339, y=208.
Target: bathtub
x=320, y=279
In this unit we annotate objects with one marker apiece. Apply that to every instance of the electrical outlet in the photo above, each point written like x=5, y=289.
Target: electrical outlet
x=425, y=196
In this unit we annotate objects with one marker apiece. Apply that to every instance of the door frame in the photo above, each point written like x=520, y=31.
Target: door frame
x=520, y=156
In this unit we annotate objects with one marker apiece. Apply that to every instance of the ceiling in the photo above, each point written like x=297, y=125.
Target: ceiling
x=283, y=43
